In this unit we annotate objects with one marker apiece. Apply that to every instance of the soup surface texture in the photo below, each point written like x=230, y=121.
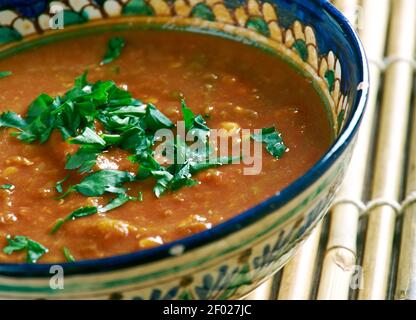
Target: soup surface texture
x=230, y=84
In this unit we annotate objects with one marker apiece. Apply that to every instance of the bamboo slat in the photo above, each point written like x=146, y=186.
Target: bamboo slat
x=390, y=156
x=298, y=275
x=341, y=252
x=351, y=9
x=406, y=277
x=378, y=164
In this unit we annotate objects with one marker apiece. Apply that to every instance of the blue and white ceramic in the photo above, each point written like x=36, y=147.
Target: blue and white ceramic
x=233, y=258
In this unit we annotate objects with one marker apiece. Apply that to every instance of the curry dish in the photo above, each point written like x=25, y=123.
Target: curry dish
x=77, y=173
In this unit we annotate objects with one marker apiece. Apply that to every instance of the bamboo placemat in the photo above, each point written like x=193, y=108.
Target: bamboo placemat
x=366, y=247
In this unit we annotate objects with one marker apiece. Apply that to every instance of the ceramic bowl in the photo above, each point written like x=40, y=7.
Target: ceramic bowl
x=233, y=258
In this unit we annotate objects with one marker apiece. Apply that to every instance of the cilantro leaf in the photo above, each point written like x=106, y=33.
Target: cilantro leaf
x=34, y=250
x=81, y=81
x=82, y=212
x=196, y=126
x=77, y=214
x=39, y=129
x=173, y=178
x=273, y=141
x=135, y=141
x=103, y=181
x=7, y=186
x=132, y=109
x=40, y=121
x=114, y=47
x=4, y=74
x=188, y=115
x=88, y=137
x=68, y=255
x=58, y=185
x=182, y=176
x=12, y=120
x=218, y=162
x=140, y=196
x=17, y=244
x=179, y=174
x=84, y=159
x=163, y=181
x=40, y=105
x=155, y=119
x=69, y=121
x=118, y=201
x=131, y=139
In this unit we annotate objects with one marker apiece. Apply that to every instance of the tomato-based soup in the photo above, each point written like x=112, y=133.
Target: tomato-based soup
x=230, y=84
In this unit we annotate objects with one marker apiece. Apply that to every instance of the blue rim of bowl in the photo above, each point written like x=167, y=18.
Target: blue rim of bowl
x=244, y=219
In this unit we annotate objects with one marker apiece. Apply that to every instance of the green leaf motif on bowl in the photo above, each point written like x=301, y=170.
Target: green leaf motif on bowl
x=330, y=78
x=301, y=48
x=71, y=17
x=259, y=25
x=9, y=35
x=202, y=11
x=138, y=7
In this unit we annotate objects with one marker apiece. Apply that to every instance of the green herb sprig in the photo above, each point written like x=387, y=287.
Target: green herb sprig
x=77, y=214
x=273, y=141
x=4, y=74
x=34, y=250
x=68, y=255
x=7, y=186
x=114, y=48
x=125, y=123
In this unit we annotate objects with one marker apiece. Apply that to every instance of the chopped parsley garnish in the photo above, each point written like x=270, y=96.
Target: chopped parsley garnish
x=58, y=185
x=12, y=120
x=101, y=116
x=140, y=196
x=77, y=214
x=68, y=255
x=196, y=125
x=88, y=137
x=179, y=174
x=4, y=74
x=7, y=186
x=84, y=159
x=34, y=250
x=116, y=202
x=273, y=141
x=114, y=47
x=101, y=182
